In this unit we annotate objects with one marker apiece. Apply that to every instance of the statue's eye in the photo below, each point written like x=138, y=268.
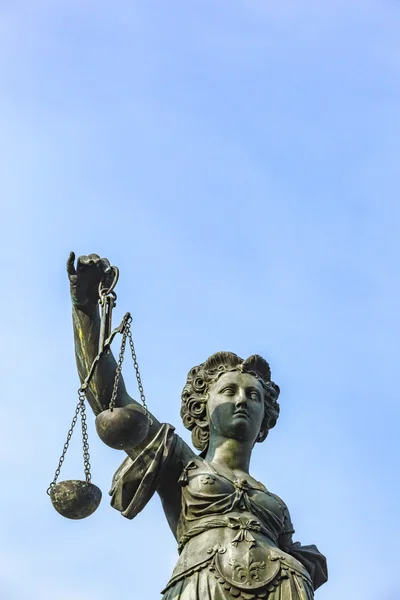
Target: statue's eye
x=254, y=395
x=228, y=391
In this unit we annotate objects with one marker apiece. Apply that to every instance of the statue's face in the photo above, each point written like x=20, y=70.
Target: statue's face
x=236, y=406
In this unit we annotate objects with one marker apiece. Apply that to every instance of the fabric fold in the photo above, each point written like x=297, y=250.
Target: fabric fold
x=136, y=480
x=313, y=560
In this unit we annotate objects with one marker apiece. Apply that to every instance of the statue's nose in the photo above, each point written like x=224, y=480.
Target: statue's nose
x=241, y=399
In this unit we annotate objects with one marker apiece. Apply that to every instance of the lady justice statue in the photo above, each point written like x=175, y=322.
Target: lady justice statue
x=234, y=536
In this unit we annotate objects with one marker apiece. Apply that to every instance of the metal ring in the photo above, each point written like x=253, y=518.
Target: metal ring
x=105, y=291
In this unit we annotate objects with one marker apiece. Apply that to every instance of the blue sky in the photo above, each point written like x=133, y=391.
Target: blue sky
x=239, y=163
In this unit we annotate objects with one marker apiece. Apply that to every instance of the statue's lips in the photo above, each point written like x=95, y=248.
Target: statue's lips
x=241, y=413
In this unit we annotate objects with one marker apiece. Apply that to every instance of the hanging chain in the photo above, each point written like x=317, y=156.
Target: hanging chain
x=62, y=457
x=86, y=456
x=118, y=370
x=85, y=441
x=127, y=333
x=135, y=364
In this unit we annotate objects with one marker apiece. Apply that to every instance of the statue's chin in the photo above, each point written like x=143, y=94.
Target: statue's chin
x=239, y=429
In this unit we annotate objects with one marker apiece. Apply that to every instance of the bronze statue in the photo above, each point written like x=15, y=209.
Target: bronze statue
x=234, y=536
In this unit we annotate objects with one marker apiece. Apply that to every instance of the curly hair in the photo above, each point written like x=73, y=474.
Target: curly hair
x=196, y=392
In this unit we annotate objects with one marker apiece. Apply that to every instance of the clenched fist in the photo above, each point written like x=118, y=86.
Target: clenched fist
x=86, y=277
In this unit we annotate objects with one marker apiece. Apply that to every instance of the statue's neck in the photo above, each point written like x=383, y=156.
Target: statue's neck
x=229, y=453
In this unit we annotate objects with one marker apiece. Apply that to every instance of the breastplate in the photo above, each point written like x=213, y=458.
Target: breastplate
x=239, y=555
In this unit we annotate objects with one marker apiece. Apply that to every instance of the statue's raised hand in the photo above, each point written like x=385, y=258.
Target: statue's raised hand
x=85, y=278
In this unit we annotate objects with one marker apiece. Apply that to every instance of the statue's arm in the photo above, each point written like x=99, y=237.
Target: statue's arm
x=157, y=468
x=86, y=325
x=84, y=282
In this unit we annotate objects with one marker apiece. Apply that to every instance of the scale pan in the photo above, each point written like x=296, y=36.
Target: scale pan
x=124, y=427
x=75, y=499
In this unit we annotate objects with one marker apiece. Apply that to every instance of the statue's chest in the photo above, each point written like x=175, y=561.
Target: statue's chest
x=206, y=483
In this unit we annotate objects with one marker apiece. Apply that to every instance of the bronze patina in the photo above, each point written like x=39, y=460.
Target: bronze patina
x=234, y=536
